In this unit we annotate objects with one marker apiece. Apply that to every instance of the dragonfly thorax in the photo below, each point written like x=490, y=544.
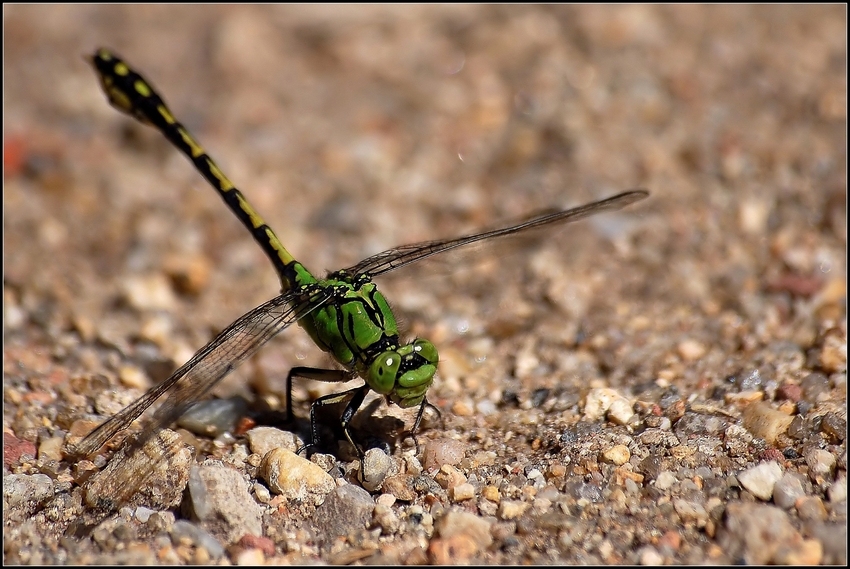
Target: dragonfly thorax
x=357, y=327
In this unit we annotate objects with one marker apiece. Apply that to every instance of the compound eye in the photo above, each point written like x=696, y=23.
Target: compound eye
x=427, y=350
x=383, y=372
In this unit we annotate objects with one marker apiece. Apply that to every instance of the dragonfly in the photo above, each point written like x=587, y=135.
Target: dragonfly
x=344, y=313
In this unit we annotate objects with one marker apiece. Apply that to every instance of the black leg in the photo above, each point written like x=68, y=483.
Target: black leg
x=327, y=375
x=350, y=409
x=412, y=432
x=348, y=414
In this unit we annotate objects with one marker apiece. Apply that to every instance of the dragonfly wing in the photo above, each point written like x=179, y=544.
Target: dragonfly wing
x=208, y=366
x=406, y=254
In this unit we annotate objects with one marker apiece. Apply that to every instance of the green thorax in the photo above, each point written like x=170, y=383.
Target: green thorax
x=356, y=326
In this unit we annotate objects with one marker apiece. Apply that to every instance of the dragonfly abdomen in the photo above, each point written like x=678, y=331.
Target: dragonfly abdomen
x=130, y=93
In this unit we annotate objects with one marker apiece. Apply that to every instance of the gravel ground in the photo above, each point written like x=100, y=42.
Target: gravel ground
x=664, y=384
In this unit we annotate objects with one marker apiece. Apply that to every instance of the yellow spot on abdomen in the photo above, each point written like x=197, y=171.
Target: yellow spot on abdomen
x=224, y=184
x=142, y=88
x=193, y=145
x=256, y=220
x=166, y=114
x=282, y=253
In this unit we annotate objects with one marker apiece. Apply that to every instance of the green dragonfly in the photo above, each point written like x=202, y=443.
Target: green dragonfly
x=344, y=313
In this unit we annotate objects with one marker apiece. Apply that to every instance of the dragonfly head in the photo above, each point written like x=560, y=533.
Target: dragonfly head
x=405, y=373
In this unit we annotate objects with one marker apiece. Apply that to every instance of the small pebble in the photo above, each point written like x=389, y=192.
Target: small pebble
x=51, y=448
x=260, y=542
x=512, y=509
x=143, y=514
x=599, y=401
x=789, y=391
x=150, y=292
x=670, y=541
x=461, y=536
x=665, y=480
x=347, y=508
x=534, y=474
x=649, y=556
x=263, y=439
x=448, y=477
x=821, y=463
x=386, y=518
x=834, y=427
x=14, y=448
x=463, y=407
x=222, y=503
x=462, y=492
x=787, y=489
x=385, y=500
x=838, y=490
x=412, y=464
x=691, y=512
x=455, y=549
x=213, y=417
x=131, y=376
x=189, y=273
x=620, y=412
x=833, y=355
x=760, y=480
x=691, y=350
x=557, y=469
x=618, y=454
x=811, y=508
x=400, y=487
x=757, y=532
x=20, y=488
x=765, y=422
x=375, y=468
x=262, y=493
x=814, y=386
x=442, y=451
x=157, y=328
x=808, y=553
x=294, y=477
x=251, y=557
x=749, y=380
x=485, y=407
x=195, y=535
x=491, y=493
x=833, y=539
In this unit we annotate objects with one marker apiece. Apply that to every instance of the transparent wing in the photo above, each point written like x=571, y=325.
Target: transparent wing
x=398, y=257
x=207, y=367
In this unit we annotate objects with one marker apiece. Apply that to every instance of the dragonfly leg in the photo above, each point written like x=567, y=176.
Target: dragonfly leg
x=330, y=376
x=412, y=432
x=359, y=393
x=348, y=414
x=326, y=375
